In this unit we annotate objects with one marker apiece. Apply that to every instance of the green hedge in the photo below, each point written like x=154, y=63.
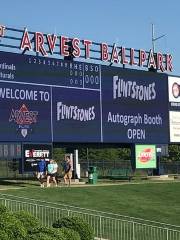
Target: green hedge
x=12, y=226
x=40, y=236
x=52, y=233
x=3, y=209
x=4, y=235
x=70, y=233
x=78, y=225
x=28, y=221
x=24, y=226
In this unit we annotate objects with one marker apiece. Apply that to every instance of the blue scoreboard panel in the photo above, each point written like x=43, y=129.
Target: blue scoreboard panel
x=52, y=100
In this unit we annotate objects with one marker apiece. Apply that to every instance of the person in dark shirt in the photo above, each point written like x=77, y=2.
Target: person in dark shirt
x=67, y=168
x=41, y=171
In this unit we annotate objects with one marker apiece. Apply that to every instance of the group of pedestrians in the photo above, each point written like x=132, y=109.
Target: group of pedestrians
x=47, y=172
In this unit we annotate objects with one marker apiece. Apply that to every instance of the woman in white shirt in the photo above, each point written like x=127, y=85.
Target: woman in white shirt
x=52, y=172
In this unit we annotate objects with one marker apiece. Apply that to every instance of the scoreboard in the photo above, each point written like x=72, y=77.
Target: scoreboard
x=53, y=100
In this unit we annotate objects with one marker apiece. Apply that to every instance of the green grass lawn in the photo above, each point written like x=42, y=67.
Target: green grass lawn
x=152, y=201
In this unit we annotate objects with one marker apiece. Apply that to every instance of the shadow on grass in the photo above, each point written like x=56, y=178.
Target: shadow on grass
x=18, y=182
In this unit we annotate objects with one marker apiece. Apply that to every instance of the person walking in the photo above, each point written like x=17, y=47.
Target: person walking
x=41, y=171
x=67, y=171
x=52, y=172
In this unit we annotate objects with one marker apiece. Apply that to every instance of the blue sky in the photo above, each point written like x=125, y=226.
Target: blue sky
x=127, y=23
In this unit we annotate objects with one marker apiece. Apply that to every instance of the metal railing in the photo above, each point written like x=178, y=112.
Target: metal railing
x=105, y=225
x=105, y=166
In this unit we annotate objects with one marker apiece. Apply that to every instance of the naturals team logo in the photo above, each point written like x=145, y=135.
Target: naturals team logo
x=23, y=118
x=146, y=155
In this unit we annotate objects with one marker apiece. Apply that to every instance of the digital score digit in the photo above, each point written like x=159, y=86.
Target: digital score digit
x=92, y=76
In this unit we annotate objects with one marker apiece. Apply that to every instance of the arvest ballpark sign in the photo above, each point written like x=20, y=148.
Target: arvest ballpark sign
x=45, y=44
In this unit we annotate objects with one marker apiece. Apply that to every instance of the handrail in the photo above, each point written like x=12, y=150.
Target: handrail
x=95, y=212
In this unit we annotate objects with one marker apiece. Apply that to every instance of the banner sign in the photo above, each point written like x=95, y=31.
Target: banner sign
x=51, y=100
x=145, y=156
x=174, y=108
x=174, y=122
x=76, y=115
x=25, y=112
x=134, y=108
x=32, y=153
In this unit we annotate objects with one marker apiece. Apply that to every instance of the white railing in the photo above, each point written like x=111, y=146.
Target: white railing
x=105, y=226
